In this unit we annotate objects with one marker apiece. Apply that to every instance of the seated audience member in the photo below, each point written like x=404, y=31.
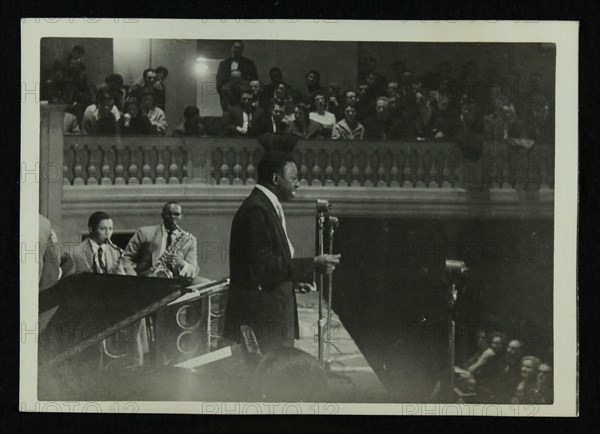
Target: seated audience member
x=351, y=99
x=488, y=365
x=312, y=88
x=381, y=124
x=102, y=117
x=259, y=98
x=97, y=253
x=470, y=84
x=276, y=77
x=232, y=91
x=276, y=123
x=538, y=121
x=192, y=125
x=348, y=128
x=509, y=376
x=154, y=114
x=322, y=116
x=503, y=124
x=73, y=115
x=114, y=83
x=146, y=81
x=544, y=388
x=369, y=74
x=289, y=375
x=422, y=115
x=529, y=372
x=279, y=96
x=466, y=130
x=243, y=119
x=334, y=100
x=291, y=101
x=133, y=122
x=303, y=126
x=160, y=90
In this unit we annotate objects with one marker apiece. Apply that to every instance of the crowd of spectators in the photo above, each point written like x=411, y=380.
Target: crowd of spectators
x=437, y=105
x=503, y=371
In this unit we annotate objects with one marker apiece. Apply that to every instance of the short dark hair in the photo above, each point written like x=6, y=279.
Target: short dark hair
x=162, y=70
x=103, y=94
x=190, y=111
x=314, y=71
x=146, y=71
x=115, y=79
x=78, y=51
x=272, y=162
x=147, y=91
x=238, y=42
x=275, y=69
x=96, y=218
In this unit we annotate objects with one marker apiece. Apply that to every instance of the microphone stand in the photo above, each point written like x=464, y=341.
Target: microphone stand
x=332, y=223
x=322, y=213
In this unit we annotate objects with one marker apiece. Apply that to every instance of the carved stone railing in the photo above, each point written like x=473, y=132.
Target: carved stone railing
x=218, y=161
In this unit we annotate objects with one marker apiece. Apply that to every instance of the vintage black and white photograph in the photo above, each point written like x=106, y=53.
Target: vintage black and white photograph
x=299, y=216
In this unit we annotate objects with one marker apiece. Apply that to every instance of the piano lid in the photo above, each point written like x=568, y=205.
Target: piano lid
x=86, y=308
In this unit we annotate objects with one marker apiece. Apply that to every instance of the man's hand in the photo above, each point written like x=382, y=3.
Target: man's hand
x=305, y=287
x=325, y=264
x=174, y=260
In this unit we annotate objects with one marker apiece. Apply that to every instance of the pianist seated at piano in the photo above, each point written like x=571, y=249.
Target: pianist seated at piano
x=97, y=253
x=164, y=250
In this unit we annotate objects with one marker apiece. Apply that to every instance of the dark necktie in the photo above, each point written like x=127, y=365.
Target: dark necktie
x=169, y=239
x=101, y=260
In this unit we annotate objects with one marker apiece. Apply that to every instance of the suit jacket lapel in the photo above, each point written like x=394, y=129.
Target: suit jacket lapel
x=278, y=224
x=88, y=254
x=156, y=244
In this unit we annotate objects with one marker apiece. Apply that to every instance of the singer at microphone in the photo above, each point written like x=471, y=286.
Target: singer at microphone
x=263, y=270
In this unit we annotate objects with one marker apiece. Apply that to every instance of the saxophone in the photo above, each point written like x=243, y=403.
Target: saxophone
x=161, y=269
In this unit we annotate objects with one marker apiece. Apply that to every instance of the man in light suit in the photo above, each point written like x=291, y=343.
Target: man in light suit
x=97, y=253
x=264, y=273
x=150, y=242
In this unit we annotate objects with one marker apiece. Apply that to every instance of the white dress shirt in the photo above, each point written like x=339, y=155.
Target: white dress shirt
x=279, y=209
x=95, y=258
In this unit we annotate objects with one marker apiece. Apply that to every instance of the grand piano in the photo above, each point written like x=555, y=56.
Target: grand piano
x=119, y=338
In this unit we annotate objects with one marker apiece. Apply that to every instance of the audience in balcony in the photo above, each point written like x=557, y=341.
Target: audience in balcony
x=192, y=124
x=381, y=125
x=133, y=122
x=348, y=128
x=433, y=106
x=231, y=93
x=154, y=114
x=102, y=117
x=321, y=116
x=235, y=62
x=304, y=127
x=245, y=119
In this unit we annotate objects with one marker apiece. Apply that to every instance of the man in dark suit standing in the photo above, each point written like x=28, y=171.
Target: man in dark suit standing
x=235, y=62
x=263, y=271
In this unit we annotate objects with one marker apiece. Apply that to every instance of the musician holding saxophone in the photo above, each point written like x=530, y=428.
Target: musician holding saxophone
x=97, y=253
x=162, y=251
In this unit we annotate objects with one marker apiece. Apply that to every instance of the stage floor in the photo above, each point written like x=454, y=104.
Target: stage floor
x=351, y=378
